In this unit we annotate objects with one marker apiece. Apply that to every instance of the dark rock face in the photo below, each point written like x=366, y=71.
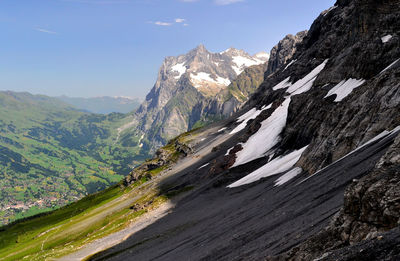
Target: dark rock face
x=283, y=52
x=350, y=37
x=371, y=209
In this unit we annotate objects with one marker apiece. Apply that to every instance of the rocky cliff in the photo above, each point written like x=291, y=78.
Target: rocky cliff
x=282, y=52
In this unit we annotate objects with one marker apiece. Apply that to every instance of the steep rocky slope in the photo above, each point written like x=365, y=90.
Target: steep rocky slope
x=275, y=188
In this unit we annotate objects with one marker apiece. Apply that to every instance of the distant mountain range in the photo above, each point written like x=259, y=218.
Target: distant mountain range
x=194, y=89
x=103, y=105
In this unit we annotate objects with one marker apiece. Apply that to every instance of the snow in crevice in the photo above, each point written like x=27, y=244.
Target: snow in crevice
x=276, y=166
x=344, y=88
x=203, y=166
x=305, y=84
x=386, y=38
x=390, y=66
x=201, y=77
x=330, y=9
x=283, y=84
x=180, y=68
x=302, y=85
x=227, y=152
x=266, y=137
x=287, y=66
x=381, y=135
x=245, y=118
x=288, y=176
x=243, y=62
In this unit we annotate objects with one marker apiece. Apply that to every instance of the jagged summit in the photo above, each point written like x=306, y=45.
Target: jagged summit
x=210, y=72
x=189, y=86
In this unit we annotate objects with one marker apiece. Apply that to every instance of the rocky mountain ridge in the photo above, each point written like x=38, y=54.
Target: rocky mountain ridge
x=190, y=88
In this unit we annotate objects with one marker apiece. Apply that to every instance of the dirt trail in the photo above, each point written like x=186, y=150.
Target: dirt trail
x=115, y=238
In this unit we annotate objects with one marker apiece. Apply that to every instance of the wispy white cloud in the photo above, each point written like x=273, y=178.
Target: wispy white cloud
x=179, y=20
x=176, y=20
x=45, y=31
x=227, y=2
x=161, y=23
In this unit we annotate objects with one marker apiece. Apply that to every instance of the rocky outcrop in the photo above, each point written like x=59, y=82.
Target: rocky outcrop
x=163, y=158
x=371, y=209
x=283, y=51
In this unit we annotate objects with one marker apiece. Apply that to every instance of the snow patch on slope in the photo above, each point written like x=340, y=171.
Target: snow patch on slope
x=288, y=176
x=306, y=83
x=245, y=118
x=344, y=88
x=382, y=135
x=244, y=62
x=201, y=77
x=180, y=68
x=273, y=167
x=287, y=66
x=266, y=137
x=390, y=66
x=386, y=38
x=283, y=84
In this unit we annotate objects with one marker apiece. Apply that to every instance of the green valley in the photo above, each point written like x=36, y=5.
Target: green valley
x=52, y=154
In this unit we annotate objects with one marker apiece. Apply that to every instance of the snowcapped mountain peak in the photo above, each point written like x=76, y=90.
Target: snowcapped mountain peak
x=208, y=72
x=263, y=56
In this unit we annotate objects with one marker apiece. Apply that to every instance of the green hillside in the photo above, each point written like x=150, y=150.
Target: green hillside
x=52, y=154
x=60, y=232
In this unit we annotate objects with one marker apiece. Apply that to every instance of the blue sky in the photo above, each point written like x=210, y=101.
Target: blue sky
x=115, y=47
